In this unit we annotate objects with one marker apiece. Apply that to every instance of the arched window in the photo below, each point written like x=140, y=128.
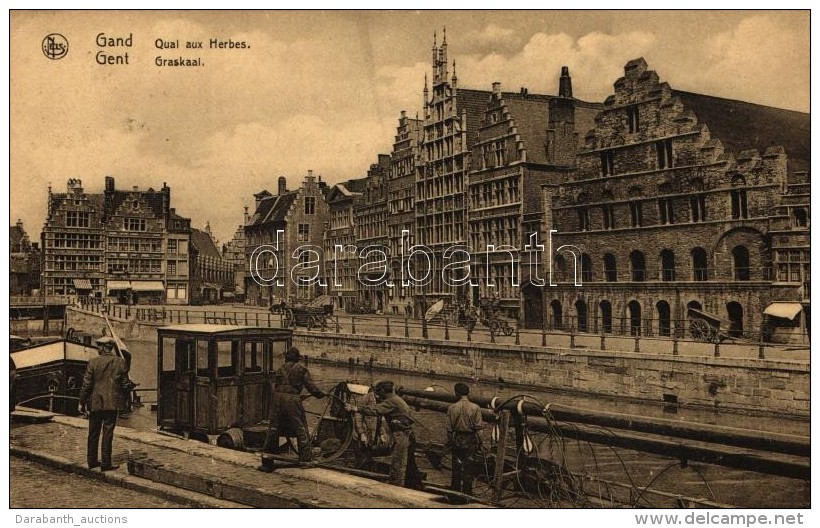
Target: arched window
x=581, y=314
x=638, y=264
x=557, y=315
x=605, y=308
x=699, y=265
x=664, y=318
x=610, y=268
x=667, y=265
x=634, y=309
x=740, y=263
x=586, y=268
x=735, y=312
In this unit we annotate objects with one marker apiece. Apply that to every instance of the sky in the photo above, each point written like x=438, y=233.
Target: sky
x=323, y=91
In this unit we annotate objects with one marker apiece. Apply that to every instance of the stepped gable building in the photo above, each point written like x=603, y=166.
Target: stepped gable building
x=135, y=231
x=683, y=207
x=341, y=255
x=476, y=147
x=73, y=241
x=401, y=185
x=523, y=142
x=371, y=230
x=234, y=251
x=301, y=216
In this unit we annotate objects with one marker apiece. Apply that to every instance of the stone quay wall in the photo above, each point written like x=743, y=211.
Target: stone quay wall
x=751, y=385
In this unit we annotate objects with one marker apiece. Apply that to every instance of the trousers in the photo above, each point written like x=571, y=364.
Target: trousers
x=465, y=446
x=101, y=423
x=289, y=420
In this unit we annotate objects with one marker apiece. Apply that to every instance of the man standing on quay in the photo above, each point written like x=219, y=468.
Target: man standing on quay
x=463, y=425
x=103, y=396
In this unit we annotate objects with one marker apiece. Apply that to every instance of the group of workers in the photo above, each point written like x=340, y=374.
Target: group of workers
x=464, y=422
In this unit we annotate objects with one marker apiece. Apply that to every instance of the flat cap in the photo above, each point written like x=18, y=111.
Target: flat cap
x=105, y=340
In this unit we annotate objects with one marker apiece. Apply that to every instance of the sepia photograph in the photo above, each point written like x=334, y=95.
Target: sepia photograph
x=410, y=260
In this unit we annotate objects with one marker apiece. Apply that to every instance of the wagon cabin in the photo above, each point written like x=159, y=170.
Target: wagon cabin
x=214, y=377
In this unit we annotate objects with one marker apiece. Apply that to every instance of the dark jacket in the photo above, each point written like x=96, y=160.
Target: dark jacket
x=105, y=384
x=292, y=377
x=394, y=409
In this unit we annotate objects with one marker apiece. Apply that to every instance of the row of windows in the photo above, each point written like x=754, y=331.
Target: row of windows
x=664, y=151
x=699, y=268
x=136, y=245
x=498, y=192
x=74, y=240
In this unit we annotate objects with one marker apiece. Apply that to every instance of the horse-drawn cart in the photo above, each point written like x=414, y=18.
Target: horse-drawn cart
x=489, y=315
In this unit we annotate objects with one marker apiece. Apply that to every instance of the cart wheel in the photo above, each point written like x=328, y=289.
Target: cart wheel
x=700, y=330
x=311, y=322
x=508, y=330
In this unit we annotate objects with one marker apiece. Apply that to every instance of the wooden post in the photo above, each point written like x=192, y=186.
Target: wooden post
x=544, y=333
x=186, y=317
x=500, y=455
x=338, y=328
x=388, y=326
x=492, y=336
x=717, y=349
x=761, y=354
x=353, y=324
x=257, y=318
x=603, y=338
x=446, y=330
x=406, y=328
x=469, y=334
x=517, y=337
x=637, y=343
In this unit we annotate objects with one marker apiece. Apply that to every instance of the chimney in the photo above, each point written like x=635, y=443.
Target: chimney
x=246, y=215
x=136, y=188
x=283, y=185
x=310, y=179
x=565, y=83
x=109, y=184
x=497, y=88
x=75, y=186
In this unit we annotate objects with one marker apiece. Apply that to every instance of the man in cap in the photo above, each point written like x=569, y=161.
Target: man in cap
x=463, y=424
x=288, y=411
x=103, y=396
x=397, y=413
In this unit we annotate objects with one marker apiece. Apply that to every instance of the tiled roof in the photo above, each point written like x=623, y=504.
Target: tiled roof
x=273, y=208
x=475, y=103
x=742, y=126
x=203, y=242
x=531, y=117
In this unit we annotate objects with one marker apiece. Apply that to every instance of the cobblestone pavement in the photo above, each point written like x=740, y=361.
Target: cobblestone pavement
x=27, y=480
x=62, y=441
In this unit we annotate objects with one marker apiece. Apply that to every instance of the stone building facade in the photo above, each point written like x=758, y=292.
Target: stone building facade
x=670, y=213
x=177, y=262
x=24, y=262
x=523, y=142
x=341, y=257
x=404, y=161
x=73, y=241
x=273, y=258
x=211, y=274
x=371, y=231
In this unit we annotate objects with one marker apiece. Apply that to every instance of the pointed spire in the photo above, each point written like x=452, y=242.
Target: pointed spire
x=455, y=78
x=434, y=39
x=444, y=41
x=565, y=83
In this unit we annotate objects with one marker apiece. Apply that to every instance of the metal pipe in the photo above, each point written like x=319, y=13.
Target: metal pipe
x=731, y=436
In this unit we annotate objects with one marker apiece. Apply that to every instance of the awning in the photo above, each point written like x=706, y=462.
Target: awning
x=118, y=285
x=210, y=286
x=147, y=286
x=785, y=310
x=227, y=295
x=82, y=284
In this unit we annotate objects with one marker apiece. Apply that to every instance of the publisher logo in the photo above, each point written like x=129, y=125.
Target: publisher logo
x=55, y=46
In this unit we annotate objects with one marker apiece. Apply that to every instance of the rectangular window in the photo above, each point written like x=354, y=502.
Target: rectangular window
x=77, y=219
x=697, y=207
x=739, y=204
x=609, y=216
x=633, y=119
x=310, y=205
x=607, y=163
x=172, y=247
x=172, y=267
x=500, y=158
x=583, y=219
x=666, y=211
x=636, y=213
x=134, y=224
x=664, y=150
x=303, y=233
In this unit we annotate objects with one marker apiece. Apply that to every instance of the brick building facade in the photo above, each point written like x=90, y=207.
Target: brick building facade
x=341, y=264
x=371, y=231
x=24, y=262
x=671, y=213
x=301, y=216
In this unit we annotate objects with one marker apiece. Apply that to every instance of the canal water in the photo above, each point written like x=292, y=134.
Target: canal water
x=713, y=483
